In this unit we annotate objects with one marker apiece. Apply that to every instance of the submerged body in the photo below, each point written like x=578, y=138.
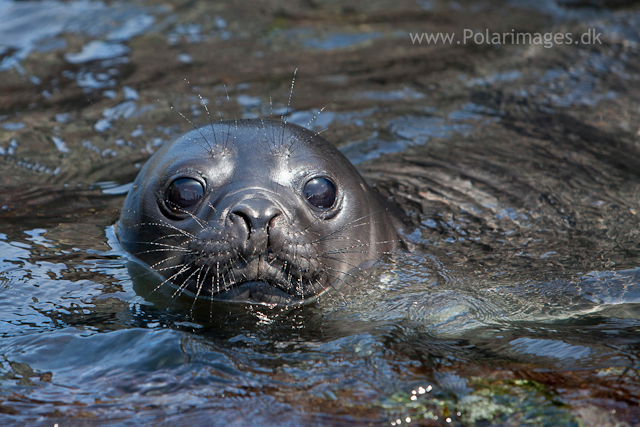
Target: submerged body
x=254, y=211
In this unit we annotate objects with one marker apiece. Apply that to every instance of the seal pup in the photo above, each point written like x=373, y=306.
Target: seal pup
x=256, y=211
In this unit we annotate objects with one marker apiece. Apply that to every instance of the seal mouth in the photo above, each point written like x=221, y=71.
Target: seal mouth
x=257, y=281
x=257, y=292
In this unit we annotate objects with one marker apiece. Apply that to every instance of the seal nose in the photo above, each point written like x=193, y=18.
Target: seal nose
x=256, y=213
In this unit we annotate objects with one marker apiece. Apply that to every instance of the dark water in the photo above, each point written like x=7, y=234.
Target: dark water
x=518, y=166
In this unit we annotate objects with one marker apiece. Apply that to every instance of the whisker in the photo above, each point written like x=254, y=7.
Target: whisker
x=206, y=108
x=153, y=267
x=193, y=125
x=336, y=289
x=182, y=287
x=345, y=226
x=167, y=236
x=168, y=249
x=318, y=114
x=342, y=250
x=283, y=117
x=353, y=266
x=184, y=268
x=167, y=225
x=199, y=285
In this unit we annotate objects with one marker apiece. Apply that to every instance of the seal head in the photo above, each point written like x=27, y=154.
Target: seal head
x=254, y=211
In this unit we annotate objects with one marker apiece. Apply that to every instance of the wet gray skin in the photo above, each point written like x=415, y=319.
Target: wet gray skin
x=254, y=211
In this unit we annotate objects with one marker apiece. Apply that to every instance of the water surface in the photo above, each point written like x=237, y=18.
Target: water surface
x=516, y=165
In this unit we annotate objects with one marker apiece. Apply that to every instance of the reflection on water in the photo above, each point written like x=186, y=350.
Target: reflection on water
x=516, y=166
x=28, y=26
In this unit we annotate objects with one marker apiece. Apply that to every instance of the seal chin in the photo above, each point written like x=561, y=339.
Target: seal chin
x=261, y=279
x=256, y=292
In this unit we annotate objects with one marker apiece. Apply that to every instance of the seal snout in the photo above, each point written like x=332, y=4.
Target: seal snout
x=252, y=245
x=256, y=216
x=256, y=213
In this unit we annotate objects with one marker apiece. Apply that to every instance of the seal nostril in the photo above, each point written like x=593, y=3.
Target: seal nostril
x=246, y=220
x=271, y=221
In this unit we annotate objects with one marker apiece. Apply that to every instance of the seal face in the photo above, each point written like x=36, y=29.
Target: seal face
x=255, y=211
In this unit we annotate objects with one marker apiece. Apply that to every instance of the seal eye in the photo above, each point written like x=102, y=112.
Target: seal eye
x=184, y=193
x=320, y=192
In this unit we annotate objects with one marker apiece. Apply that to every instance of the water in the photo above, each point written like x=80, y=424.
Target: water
x=517, y=167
